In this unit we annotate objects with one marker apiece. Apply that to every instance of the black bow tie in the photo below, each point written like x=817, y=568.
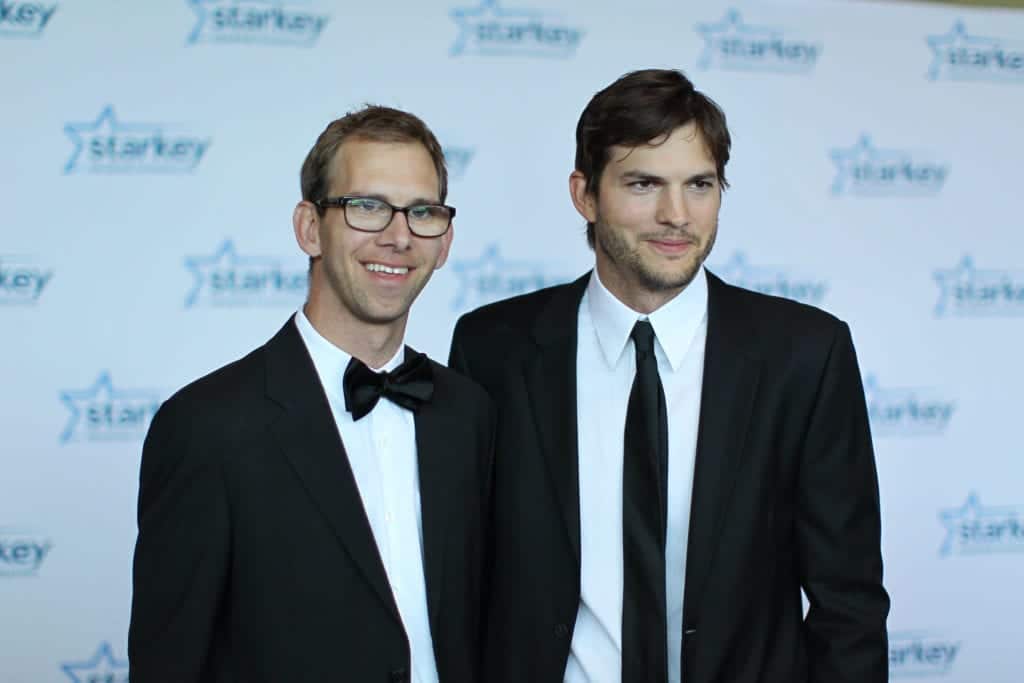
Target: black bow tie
x=409, y=385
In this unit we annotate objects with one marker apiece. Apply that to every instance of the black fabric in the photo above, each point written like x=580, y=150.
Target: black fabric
x=784, y=494
x=410, y=385
x=255, y=560
x=644, y=519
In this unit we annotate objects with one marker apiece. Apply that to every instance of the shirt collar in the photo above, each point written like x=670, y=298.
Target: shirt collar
x=675, y=323
x=331, y=361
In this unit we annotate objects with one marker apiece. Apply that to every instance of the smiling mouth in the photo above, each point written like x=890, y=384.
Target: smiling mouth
x=386, y=270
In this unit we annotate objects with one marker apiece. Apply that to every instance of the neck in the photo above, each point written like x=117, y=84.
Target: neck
x=638, y=298
x=373, y=343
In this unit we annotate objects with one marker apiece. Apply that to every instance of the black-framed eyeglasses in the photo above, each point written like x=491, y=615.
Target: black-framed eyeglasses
x=369, y=214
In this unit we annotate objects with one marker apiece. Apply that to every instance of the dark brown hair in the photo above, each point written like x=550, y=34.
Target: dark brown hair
x=642, y=106
x=372, y=122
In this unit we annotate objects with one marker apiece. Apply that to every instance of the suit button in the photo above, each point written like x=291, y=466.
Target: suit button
x=400, y=676
x=562, y=631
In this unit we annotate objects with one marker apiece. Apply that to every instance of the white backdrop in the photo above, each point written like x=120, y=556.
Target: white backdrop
x=150, y=164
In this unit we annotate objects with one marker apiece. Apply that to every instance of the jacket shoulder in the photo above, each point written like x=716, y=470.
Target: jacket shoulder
x=770, y=313
x=515, y=313
x=458, y=387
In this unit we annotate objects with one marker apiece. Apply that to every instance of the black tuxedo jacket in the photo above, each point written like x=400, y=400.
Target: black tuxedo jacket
x=255, y=560
x=785, y=494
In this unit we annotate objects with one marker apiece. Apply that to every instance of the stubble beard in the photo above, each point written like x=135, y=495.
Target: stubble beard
x=628, y=259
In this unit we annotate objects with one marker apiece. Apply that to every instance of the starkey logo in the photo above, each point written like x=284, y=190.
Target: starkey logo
x=490, y=277
x=968, y=291
x=22, y=279
x=229, y=279
x=103, y=413
x=731, y=44
x=266, y=22
x=22, y=553
x=906, y=411
x=915, y=654
x=110, y=145
x=976, y=529
x=24, y=19
x=101, y=667
x=785, y=281
x=490, y=29
x=868, y=171
x=960, y=56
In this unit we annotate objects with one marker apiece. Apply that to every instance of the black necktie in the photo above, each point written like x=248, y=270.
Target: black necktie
x=409, y=385
x=644, y=514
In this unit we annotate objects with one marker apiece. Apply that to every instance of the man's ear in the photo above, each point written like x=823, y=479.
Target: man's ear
x=306, y=223
x=584, y=200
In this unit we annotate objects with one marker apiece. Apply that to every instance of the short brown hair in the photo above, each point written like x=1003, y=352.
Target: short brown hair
x=642, y=106
x=372, y=122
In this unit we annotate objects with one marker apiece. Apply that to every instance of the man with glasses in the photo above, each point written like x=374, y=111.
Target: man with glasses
x=316, y=510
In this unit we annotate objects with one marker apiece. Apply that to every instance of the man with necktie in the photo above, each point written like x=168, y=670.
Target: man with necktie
x=316, y=511
x=676, y=458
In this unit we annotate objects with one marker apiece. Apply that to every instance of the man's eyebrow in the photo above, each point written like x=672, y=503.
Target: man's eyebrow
x=644, y=175
x=641, y=175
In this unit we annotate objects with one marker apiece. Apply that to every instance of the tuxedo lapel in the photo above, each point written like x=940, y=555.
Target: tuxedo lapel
x=436, y=423
x=308, y=437
x=551, y=387
x=731, y=372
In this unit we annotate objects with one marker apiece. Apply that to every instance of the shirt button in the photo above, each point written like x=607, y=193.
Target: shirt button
x=561, y=630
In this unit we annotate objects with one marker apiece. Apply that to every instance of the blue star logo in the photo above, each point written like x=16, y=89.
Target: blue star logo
x=229, y=279
x=101, y=667
x=224, y=257
x=968, y=290
x=736, y=45
x=901, y=411
x=973, y=513
x=102, y=391
x=491, y=277
x=848, y=159
x=105, y=123
x=772, y=280
x=947, y=279
x=731, y=25
x=202, y=11
x=267, y=22
x=468, y=18
x=868, y=170
x=489, y=29
x=964, y=56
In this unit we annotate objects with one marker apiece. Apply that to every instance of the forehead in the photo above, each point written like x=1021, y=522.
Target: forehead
x=401, y=169
x=683, y=148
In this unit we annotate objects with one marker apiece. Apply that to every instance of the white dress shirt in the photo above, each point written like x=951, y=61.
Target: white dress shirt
x=381, y=450
x=605, y=366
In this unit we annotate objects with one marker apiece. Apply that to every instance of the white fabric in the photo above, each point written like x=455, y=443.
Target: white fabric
x=606, y=364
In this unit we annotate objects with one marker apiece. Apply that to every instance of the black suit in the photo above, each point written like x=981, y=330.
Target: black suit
x=785, y=494
x=255, y=559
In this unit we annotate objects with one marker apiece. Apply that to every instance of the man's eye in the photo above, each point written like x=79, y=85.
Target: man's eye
x=642, y=184
x=366, y=205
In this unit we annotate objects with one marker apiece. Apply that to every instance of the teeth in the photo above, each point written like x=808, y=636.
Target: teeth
x=381, y=268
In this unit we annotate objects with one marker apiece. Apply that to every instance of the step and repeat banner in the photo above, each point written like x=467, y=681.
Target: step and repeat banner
x=150, y=164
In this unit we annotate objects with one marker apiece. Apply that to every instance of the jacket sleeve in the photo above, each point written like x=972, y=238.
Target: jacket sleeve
x=182, y=553
x=839, y=530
